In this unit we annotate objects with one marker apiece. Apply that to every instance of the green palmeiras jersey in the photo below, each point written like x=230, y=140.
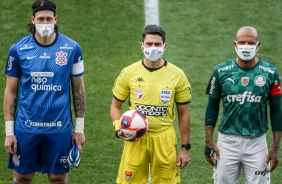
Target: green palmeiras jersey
x=244, y=94
x=153, y=93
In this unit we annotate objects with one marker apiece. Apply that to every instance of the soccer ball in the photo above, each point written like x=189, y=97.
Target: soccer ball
x=133, y=124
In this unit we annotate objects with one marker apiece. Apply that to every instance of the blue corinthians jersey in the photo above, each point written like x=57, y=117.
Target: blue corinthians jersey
x=244, y=93
x=44, y=71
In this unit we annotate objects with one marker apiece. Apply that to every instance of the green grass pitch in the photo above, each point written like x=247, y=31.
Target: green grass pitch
x=199, y=35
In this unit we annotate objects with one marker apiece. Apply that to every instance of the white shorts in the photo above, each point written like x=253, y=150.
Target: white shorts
x=236, y=152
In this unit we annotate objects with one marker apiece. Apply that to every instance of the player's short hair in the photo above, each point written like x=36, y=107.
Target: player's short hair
x=41, y=5
x=153, y=29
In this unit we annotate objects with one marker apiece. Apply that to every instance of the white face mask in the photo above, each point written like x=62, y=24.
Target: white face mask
x=246, y=52
x=153, y=53
x=45, y=30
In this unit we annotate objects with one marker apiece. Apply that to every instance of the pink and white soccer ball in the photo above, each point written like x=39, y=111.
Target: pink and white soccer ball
x=133, y=124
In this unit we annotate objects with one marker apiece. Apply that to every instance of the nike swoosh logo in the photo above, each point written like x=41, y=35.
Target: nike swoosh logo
x=30, y=57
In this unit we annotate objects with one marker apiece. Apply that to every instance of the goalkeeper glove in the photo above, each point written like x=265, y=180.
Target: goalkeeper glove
x=74, y=157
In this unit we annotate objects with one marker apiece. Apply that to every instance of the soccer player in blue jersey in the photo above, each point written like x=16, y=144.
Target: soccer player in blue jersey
x=154, y=87
x=42, y=68
x=246, y=85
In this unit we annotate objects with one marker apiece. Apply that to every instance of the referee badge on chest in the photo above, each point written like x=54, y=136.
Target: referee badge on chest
x=165, y=96
x=245, y=81
x=61, y=58
x=138, y=93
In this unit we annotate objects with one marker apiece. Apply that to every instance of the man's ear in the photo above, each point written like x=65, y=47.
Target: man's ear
x=165, y=44
x=141, y=45
x=32, y=19
x=56, y=18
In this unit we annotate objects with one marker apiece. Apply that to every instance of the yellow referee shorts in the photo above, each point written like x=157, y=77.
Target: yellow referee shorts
x=155, y=150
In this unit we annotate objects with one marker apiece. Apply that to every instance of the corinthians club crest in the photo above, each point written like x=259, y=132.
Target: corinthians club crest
x=61, y=58
x=245, y=81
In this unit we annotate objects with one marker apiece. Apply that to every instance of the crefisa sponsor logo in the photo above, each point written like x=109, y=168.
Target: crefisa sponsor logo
x=266, y=69
x=245, y=97
x=263, y=173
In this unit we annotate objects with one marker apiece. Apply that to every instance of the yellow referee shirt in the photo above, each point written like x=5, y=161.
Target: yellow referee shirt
x=153, y=92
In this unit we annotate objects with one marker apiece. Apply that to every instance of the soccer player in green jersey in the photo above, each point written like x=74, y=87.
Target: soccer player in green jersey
x=245, y=85
x=153, y=86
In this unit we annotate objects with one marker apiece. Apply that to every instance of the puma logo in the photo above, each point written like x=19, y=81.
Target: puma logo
x=232, y=80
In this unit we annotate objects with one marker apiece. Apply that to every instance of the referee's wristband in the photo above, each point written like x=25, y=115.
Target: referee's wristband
x=116, y=133
x=209, y=151
x=116, y=124
x=9, y=127
x=79, y=125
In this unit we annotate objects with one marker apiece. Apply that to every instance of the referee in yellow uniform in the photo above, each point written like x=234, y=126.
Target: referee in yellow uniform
x=153, y=86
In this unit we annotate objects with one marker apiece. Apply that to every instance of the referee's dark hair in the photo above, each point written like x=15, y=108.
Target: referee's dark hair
x=153, y=29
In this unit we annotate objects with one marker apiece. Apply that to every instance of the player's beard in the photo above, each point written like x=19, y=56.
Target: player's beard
x=45, y=39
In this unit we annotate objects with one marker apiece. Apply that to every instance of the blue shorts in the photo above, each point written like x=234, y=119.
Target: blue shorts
x=46, y=153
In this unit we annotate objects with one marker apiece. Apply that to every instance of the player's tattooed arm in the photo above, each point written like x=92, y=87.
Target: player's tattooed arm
x=209, y=136
x=11, y=98
x=79, y=96
x=13, y=109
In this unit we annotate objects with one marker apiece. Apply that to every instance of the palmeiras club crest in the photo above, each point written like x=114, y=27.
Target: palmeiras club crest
x=245, y=81
x=260, y=80
x=61, y=58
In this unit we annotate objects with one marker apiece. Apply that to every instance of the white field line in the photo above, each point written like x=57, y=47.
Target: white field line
x=151, y=17
x=151, y=12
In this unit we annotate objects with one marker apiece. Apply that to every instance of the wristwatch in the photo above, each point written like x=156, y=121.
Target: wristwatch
x=186, y=146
